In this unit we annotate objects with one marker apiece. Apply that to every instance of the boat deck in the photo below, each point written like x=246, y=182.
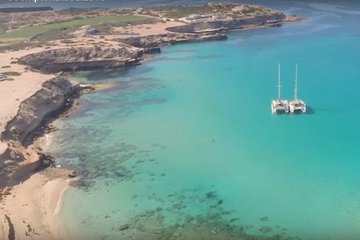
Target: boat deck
x=297, y=105
x=279, y=106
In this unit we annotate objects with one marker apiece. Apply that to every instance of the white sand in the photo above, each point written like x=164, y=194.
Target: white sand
x=147, y=29
x=33, y=207
x=12, y=93
x=33, y=201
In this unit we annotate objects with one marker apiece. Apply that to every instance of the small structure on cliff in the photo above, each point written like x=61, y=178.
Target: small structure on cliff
x=279, y=105
x=85, y=31
x=197, y=18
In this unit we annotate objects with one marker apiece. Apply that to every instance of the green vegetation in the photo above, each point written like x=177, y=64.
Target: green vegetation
x=31, y=31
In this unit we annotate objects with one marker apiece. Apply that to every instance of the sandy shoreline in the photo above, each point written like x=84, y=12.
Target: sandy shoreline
x=22, y=87
x=39, y=198
x=30, y=209
x=34, y=198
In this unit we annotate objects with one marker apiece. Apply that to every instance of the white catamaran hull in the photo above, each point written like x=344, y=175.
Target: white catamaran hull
x=279, y=106
x=296, y=109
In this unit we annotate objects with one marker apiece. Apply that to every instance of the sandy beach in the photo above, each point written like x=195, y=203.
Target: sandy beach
x=28, y=209
x=37, y=198
x=147, y=29
x=12, y=93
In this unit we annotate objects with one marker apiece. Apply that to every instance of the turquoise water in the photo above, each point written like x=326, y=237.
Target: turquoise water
x=189, y=140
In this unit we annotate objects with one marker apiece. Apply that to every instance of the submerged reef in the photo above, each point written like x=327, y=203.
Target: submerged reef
x=197, y=213
x=215, y=223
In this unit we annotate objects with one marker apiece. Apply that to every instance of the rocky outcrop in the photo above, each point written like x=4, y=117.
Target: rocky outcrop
x=35, y=112
x=201, y=31
x=152, y=50
x=81, y=58
x=19, y=163
x=155, y=41
x=18, y=159
x=216, y=26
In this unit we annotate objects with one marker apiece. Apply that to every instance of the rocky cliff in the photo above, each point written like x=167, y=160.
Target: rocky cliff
x=55, y=97
x=215, y=26
x=18, y=161
x=81, y=58
x=155, y=41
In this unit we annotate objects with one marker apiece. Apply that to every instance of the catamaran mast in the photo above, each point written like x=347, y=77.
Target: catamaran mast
x=279, y=82
x=296, y=88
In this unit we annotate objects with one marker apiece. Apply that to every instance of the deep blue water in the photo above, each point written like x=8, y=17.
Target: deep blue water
x=189, y=138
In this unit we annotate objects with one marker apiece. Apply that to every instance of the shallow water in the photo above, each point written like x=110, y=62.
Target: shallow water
x=189, y=140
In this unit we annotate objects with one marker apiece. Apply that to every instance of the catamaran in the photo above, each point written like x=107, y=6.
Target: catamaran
x=279, y=105
x=297, y=104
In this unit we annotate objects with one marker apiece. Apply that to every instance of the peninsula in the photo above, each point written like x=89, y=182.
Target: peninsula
x=36, y=51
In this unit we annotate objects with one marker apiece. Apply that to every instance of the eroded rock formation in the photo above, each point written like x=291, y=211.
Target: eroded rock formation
x=215, y=26
x=155, y=41
x=55, y=97
x=81, y=58
x=18, y=160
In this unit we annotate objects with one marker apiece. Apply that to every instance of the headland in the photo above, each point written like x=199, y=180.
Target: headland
x=36, y=53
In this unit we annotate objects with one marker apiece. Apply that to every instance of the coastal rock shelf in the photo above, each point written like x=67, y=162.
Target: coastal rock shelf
x=55, y=97
x=274, y=19
x=153, y=41
x=18, y=160
x=81, y=58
